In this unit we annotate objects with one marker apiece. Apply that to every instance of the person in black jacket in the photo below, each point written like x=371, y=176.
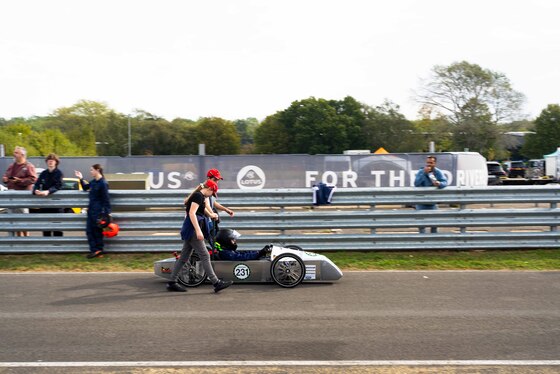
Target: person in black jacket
x=99, y=205
x=49, y=181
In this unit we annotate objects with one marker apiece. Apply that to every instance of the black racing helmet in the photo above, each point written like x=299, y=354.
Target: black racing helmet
x=226, y=238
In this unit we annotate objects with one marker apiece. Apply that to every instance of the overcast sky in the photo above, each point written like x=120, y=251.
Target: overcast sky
x=238, y=58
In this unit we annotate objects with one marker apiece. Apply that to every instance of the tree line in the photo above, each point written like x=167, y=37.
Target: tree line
x=463, y=106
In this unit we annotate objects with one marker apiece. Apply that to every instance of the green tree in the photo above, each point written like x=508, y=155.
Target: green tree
x=474, y=100
x=428, y=129
x=88, y=122
x=185, y=141
x=53, y=141
x=307, y=126
x=17, y=134
x=508, y=145
x=521, y=125
x=246, y=130
x=355, y=113
x=315, y=127
x=332, y=126
x=453, y=89
x=111, y=138
x=547, y=133
x=385, y=127
x=219, y=135
x=475, y=130
x=151, y=135
x=154, y=135
x=37, y=143
x=272, y=137
x=35, y=123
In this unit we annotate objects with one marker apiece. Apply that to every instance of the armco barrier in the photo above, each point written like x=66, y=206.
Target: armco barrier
x=358, y=219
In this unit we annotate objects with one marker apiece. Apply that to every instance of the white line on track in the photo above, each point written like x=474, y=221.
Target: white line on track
x=284, y=363
x=266, y=314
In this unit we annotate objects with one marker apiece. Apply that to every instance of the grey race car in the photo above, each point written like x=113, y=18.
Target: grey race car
x=285, y=266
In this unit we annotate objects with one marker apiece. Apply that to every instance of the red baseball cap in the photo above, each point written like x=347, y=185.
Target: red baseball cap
x=212, y=185
x=214, y=173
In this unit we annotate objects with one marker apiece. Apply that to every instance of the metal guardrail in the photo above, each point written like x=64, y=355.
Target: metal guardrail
x=358, y=219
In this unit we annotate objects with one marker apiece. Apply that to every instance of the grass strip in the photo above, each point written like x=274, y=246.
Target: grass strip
x=541, y=259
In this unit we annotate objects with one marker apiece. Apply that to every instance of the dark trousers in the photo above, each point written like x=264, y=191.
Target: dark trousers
x=53, y=233
x=94, y=234
x=421, y=229
x=51, y=210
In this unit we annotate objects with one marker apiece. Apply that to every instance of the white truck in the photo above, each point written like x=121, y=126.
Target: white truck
x=552, y=165
x=540, y=170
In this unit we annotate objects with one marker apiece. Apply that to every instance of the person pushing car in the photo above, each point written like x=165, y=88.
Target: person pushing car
x=193, y=233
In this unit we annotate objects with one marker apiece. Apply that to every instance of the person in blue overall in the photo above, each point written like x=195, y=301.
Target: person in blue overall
x=99, y=204
x=49, y=181
x=194, y=231
x=429, y=176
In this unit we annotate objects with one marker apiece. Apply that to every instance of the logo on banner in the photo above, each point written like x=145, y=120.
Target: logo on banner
x=251, y=177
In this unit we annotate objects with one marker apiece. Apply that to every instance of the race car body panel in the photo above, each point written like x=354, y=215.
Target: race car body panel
x=318, y=268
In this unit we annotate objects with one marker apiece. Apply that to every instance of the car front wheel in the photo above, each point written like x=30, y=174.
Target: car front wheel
x=287, y=270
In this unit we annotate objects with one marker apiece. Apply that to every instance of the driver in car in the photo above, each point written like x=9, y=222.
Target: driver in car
x=226, y=244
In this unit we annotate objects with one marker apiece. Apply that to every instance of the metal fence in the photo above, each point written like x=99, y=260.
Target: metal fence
x=366, y=219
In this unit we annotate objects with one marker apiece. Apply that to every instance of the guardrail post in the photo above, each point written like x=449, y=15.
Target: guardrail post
x=553, y=205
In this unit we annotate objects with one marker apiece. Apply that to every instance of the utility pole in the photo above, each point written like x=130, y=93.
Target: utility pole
x=432, y=147
x=129, y=138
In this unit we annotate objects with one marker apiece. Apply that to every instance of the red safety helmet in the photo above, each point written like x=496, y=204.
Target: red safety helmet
x=111, y=230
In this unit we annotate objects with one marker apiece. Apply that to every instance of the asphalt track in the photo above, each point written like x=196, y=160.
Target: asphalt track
x=507, y=321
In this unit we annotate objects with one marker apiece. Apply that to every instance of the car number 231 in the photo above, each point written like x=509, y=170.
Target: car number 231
x=241, y=271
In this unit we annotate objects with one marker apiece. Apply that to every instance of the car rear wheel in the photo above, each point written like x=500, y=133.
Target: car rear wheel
x=192, y=274
x=287, y=270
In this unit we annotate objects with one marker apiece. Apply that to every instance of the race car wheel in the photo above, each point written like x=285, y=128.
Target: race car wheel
x=293, y=246
x=287, y=270
x=192, y=274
